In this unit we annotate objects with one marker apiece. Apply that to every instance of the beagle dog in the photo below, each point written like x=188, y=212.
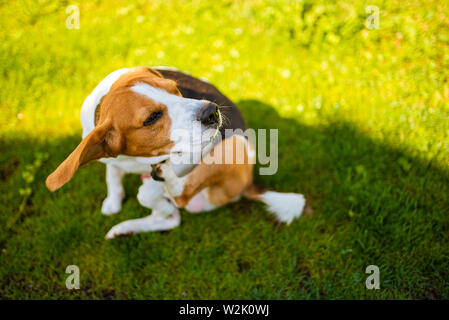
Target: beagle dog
x=141, y=120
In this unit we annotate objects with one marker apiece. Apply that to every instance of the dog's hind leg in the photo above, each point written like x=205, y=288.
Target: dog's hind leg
x=154, y=222
x=165, y=214
x=210, y=184
x=113, y=202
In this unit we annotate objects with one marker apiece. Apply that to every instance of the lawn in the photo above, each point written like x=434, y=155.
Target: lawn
x=363, y=133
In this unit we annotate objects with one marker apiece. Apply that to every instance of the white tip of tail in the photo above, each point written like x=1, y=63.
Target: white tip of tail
x=285, y=206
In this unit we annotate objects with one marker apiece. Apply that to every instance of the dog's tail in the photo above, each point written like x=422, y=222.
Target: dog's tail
x=285, y=206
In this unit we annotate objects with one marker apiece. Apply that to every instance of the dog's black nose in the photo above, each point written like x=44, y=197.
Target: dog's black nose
x=208, y=114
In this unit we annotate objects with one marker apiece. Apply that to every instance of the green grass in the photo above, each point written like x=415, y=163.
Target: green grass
x=363, y=133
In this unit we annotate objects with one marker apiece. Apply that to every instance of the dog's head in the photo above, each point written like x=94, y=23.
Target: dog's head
x=143, y=115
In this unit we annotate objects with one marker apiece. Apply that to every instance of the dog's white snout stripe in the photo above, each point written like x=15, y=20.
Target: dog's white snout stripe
x=162, y=96
x=182, y=112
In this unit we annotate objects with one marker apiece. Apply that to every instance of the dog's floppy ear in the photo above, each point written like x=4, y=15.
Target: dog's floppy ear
x=92, y=147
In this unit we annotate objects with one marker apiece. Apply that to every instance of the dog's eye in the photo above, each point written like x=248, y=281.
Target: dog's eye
x=153, y=118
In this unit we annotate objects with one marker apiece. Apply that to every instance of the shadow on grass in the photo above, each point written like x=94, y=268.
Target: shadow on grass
x=372, y=204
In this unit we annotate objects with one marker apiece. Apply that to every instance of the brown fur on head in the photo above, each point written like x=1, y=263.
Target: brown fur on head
x=120, y=127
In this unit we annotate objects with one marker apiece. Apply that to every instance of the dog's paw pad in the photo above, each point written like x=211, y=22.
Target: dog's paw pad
x=157, y=172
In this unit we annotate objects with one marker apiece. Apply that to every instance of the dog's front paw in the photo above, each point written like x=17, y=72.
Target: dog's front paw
x=111, y=205
x=164, y=172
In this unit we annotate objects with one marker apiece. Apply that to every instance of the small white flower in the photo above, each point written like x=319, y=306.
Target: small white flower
x=124, y=10
x=140, y=52
x=218, y=68
x=234, y=53
x=286, y=73
x=218, y=43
